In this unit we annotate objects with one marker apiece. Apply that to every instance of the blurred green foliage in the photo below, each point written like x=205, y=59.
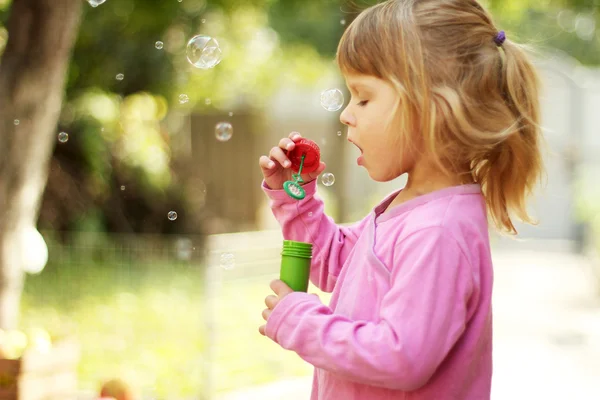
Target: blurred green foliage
x=126, y=132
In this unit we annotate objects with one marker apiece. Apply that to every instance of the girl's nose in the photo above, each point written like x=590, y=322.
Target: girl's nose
x=346, y=117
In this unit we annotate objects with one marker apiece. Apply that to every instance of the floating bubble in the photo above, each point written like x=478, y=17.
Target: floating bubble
x=122, y=187
x=207, y=101
x=184, y=248
x=339, y=133
x=310, y=214
x=343, y=22
x=120, y=77
x=566, y=20
x=16, y=122
x=203, y=52
x=203, y=20
x=230, y=113
x=95, y=3
x=63, y=137
x=332, y=99
x=227, y=261
x=172, y=215
x=323, y=141
x=223, y=131
x=159, y=45
x=327, y=179
x=183, y=98
x=585, y=26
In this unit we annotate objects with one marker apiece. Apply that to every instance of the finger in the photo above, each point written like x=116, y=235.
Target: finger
x=295, y=136
x=266, y=163
x=318, y=171
x=286, y=144
x=278, y=155
x=280, y=287
x=261, y=330
x=266, y=314
x=271, y=301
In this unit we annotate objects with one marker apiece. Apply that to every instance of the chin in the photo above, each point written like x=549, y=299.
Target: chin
x=383, y=176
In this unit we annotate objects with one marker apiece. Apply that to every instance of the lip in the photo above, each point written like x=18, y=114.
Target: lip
x=360, y=160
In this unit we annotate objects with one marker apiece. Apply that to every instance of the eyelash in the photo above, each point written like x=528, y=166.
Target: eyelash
x=362, y=103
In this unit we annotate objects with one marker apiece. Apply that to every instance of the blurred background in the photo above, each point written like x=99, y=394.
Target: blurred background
x=160, y=243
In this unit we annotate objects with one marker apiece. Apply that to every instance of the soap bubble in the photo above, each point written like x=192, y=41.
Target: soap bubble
x=207, y=101
x=183, y=98
x=332, y=99
x=63, y=137
x=343, y=22
x=203, y=52
x=585, y=26
x=95, y=3
x=120, y=77
x=339, y=133
x=16, y=122
x=122, y=187
x=327, y=179
x=203, y=20
x=223, y=131
x=230, y=113
x=310, y=213
x=184, y=249
x=227, y=261
x=566, y=20
x=159, y=45
x=172, y=215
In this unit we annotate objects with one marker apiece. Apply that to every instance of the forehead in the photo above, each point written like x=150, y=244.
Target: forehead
x=358, y=81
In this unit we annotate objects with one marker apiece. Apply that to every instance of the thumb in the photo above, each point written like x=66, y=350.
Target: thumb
x=315, y=174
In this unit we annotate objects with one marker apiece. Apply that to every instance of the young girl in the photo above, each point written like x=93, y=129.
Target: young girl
x=438, y=93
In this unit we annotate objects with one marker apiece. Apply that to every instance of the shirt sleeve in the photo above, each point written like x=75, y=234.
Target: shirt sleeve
x=419, y=321
x=305, y=221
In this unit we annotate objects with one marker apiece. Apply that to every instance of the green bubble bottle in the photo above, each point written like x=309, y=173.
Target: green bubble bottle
x=295, y=264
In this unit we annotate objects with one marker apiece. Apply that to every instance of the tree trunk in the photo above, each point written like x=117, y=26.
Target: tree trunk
x=33, y=69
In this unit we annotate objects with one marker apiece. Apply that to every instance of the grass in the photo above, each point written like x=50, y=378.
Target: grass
x=143, y=324
x=149, y=323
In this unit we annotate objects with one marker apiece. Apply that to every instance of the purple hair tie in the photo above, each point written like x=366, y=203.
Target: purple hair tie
x=500, y=38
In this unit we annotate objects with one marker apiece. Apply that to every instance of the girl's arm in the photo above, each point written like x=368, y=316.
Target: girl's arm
x=419, y=321
x=305, y=221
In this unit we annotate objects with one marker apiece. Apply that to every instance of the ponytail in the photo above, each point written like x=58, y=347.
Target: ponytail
x=510, y=171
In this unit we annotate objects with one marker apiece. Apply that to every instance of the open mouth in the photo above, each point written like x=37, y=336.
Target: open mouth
x=361, y=150
x=360, y=159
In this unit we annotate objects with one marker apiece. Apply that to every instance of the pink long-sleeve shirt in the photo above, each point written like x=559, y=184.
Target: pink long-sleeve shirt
x=410, y=316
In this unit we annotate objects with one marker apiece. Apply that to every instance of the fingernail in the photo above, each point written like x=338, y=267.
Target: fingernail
x=289, y=146
x=287, y=163
x=271, y=164
x=296, y=136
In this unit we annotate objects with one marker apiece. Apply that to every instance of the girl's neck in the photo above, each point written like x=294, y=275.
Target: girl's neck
x=419, y=186
x=426, y=180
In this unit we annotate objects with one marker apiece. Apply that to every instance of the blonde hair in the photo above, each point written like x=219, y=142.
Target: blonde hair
x=477, y=105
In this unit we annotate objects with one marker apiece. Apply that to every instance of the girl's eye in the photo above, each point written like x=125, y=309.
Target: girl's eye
x=363, y=103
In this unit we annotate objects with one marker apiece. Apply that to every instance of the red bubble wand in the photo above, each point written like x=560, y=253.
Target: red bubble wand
x=306, y=156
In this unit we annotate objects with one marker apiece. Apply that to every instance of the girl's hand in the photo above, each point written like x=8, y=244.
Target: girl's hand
x=281, y=290
x=276, y=167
